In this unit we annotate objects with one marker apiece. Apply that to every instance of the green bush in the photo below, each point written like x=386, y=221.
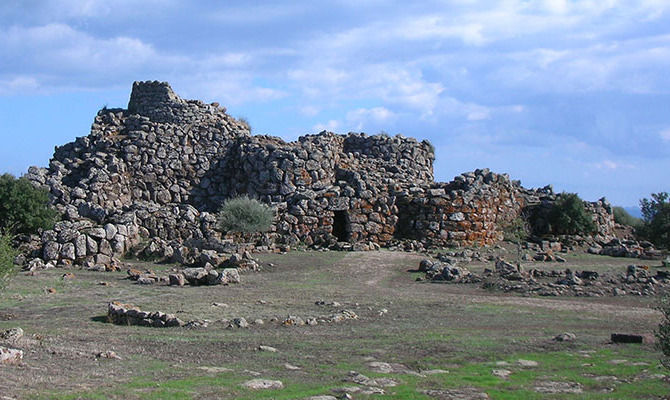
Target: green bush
x=7, y=254
x=623, y=217
x=656, y=219
x=244, y=215
x=23, y=207
x=663, y=332
x=568, y=216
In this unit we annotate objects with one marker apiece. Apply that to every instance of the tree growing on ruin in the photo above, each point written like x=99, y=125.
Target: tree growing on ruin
x=568, y=216
x=244, y=215
x=24, y=208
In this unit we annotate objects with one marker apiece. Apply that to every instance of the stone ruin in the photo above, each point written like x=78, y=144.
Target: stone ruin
x=638, y=280
x=161, y=168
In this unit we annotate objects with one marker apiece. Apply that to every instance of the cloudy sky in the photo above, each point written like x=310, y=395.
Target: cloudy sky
x=565, y=92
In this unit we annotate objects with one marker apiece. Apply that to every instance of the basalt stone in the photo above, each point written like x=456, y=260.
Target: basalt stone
x=162, y=167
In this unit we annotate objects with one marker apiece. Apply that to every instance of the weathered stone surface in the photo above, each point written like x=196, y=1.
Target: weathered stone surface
x=10, y=356
x=263, y=384
x=230, y=275
x=159, y=168
x=127, y=314
x=176, y=279
x=565, y=337
x=12, y=335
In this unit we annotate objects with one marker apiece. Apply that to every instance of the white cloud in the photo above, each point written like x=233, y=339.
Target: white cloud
x=309, y=111
x=435, y=26
x=60, y=53
x=331, y=126
x=612, y=165
x=230, y=89
x=360, y=118
x=19, y=84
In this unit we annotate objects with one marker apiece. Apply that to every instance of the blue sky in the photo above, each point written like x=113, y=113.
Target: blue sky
x=563, y=92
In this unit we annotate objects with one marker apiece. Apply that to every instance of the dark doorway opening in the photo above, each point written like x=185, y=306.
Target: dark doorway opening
x=340, y=222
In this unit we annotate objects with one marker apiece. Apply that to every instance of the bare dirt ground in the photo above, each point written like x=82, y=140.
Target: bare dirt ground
x=411, y=339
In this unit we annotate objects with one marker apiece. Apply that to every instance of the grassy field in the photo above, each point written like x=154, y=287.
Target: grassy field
x=446, y=341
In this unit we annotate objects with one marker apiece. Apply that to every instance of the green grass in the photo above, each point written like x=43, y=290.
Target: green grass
x=426, y=327
x=552, y=366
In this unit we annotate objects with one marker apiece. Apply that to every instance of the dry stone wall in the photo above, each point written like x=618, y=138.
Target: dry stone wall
x=474, y=208
x=164, y=165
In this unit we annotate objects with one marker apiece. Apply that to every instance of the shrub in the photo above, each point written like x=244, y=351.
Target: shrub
x=23, y=207
x=623, y=217
x=569, y=216
x=656, y=219
x=663, y=332
x=7, y=254
x=244, y=215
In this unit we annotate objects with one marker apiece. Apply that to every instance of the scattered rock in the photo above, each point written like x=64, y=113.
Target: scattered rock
x=551, y=387
x=177, y=279
x=345, y=391
x=501, y=373
x=434, y=372
x=238, y=323
x=267, y=348
x=527, y=363
x=361, y=379
x=10, y=356
x=215, y=370
x=108, y=354
x=390, y=368
x=126, y=314
x=465, y=393
x=263, y=384
x=293, y=320
x=68, y=275
x=230, y=276
x=12, y=335
x=565, y=337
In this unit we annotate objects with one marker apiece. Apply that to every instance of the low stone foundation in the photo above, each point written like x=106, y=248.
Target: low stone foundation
x=127, y=314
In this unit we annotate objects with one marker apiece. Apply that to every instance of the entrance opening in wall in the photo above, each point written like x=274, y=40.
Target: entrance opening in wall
x=340, y=220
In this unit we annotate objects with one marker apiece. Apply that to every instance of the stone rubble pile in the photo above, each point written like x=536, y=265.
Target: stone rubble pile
x=627, y=248
x=338, y=316
x=507, y=277
x=9, y=355
x=127, y=314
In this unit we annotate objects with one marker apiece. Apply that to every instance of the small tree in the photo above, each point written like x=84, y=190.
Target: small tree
x=569, y=216
x=656, y=219
x=245, y=215
x=23, y=207
x=7, y=254
x=663, y=332
x=517, y=231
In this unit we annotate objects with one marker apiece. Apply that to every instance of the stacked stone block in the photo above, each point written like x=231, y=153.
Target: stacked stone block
x=164, y=165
